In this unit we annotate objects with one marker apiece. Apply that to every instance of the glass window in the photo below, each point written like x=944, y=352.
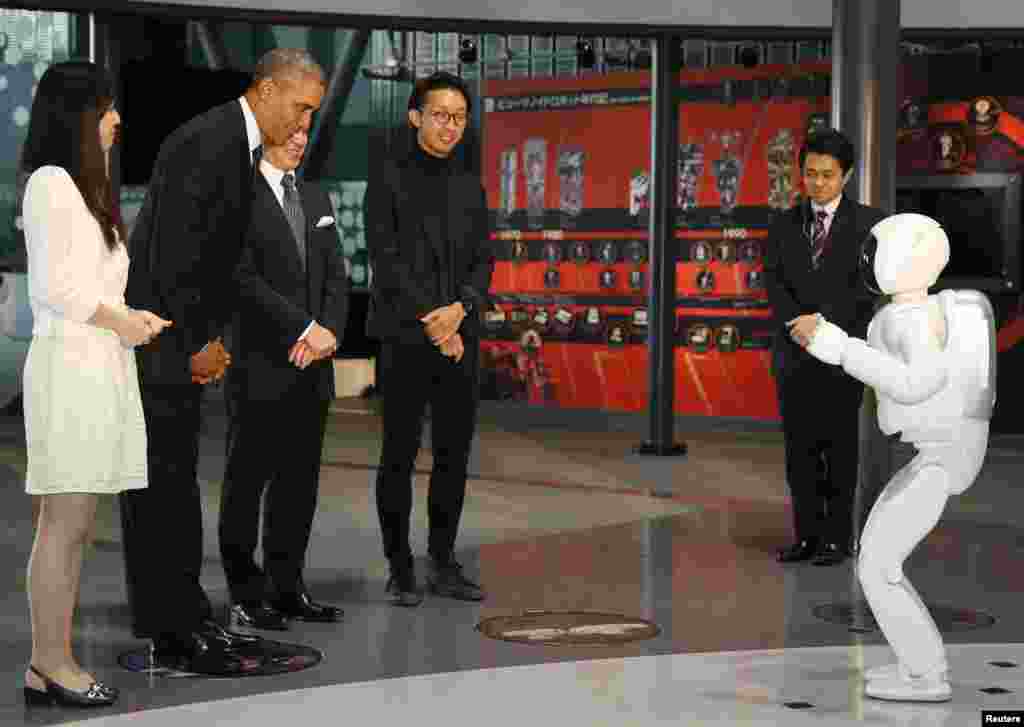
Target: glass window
x=30, y=41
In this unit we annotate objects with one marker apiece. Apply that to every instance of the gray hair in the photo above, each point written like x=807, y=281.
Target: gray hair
x=286, y=63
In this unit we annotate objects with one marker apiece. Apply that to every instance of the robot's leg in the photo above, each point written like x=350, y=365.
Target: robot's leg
x=908, y=509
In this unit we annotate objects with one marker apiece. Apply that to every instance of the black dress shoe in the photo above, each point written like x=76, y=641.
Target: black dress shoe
x=830, y=554
x=232, y=640
x=97, y=695
x=402, y=586
x=303, y=608
x=196, y=654
x=258, y=615
x=444, y=578
x=799, y=551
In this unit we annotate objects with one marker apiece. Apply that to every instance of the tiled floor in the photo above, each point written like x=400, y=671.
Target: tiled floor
x=561, y=515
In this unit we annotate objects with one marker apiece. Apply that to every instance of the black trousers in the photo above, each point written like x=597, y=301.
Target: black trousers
x=276, y=448
x=163, y=524
x=416, y=374
x=820, y=418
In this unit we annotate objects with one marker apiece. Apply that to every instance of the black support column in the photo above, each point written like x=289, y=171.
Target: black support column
x=661, y=306
x=865, y=68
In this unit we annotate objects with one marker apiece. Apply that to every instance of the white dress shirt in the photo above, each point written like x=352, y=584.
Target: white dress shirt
x=252, y=129
x=830, y=211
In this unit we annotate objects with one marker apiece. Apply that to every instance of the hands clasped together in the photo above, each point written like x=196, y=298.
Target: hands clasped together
x=442, y=327
x=318, y=343
x=137, y=327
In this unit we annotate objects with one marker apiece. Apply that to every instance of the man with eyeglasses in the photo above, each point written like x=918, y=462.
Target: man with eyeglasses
x=428, y=239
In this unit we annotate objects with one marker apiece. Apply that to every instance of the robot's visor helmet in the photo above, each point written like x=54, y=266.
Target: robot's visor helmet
x=868, y=250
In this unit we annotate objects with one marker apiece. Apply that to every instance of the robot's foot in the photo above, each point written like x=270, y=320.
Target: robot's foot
x=891, y=671
x=902, y=688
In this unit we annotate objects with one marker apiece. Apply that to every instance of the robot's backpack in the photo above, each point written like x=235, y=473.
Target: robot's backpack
x=971, y=343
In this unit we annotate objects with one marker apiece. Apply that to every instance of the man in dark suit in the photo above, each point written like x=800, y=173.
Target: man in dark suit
x=428, y=239
x=185, y=246
x=812, y=266
x=292, y=305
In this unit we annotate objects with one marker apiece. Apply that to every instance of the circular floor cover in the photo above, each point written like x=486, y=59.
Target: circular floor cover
x=278, y=658
x=568, y=627
x=858, y=617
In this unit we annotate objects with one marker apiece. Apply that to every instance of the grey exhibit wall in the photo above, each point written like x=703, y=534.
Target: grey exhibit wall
x=916, y=14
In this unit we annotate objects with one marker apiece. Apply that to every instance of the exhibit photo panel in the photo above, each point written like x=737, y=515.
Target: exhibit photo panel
x=567, y=165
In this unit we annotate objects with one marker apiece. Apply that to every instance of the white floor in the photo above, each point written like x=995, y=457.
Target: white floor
x=737, y=688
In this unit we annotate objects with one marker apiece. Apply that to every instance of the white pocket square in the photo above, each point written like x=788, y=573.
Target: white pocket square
x=324, y=222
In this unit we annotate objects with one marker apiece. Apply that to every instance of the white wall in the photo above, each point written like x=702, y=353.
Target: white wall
x=770, y=13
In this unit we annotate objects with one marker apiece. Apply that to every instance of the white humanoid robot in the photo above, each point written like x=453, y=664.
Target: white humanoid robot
x=931, y=361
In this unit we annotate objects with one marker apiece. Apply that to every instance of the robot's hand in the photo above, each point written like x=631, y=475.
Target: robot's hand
x=828, y=343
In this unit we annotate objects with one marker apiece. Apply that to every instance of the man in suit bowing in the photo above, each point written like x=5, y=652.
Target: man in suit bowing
x=812, y=266
x=185, y=246
x=292, y=304
x=428, y=239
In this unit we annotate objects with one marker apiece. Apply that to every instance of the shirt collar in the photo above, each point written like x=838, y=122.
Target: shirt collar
x=830, y=208
x=272, y=173
x=252, y=129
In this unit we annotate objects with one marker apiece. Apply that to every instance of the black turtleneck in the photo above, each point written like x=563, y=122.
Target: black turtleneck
x=433, y=186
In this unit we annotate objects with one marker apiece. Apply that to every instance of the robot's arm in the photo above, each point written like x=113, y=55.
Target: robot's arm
x=912, y=373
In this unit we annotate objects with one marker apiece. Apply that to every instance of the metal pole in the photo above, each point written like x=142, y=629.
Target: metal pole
x=343, y=77
x=865, y=64
x=211, y=41
x=662, y=248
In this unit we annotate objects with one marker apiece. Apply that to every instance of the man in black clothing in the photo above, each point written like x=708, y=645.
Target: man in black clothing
x=428, y=241
x=185, y=245
x=292, y=305
x=812, y=266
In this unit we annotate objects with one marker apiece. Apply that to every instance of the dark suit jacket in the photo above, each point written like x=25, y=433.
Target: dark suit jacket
x=188, y=236
x=409, y=252
x=835, y=290
x=277, y=299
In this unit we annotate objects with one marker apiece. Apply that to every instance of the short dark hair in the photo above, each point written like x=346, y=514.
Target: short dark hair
x=437, y=81
x=829, y=142
x=63, y=131
x=286, y=63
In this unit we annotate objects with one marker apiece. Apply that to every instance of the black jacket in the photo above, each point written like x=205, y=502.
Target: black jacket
x=835, y=290
x=277, y=298
x=416, y=251
x=188, y=236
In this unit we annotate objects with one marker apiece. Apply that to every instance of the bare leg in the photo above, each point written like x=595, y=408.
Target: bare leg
x=54, y=570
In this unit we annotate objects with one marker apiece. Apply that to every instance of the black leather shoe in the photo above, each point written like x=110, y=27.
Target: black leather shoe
x=204, y=651
x=303, y=608
x=258, y=615
x=232, y=640
x=402, y=586
x=97, y=695
x=830, y=554
x=799, y=551
x=446, y=579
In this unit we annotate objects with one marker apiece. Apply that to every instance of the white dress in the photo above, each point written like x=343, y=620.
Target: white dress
x=84, y=427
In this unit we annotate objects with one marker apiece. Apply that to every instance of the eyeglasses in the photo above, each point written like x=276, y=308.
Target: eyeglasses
x=442, y=118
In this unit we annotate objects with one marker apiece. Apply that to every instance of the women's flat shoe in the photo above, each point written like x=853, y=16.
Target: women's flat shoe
x=97, y=695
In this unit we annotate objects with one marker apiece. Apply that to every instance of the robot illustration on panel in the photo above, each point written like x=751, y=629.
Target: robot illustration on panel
x=691, y=167
x=781, y=157
x=728, y=169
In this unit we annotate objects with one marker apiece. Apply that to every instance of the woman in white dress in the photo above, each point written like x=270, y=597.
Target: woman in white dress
x=84, y=430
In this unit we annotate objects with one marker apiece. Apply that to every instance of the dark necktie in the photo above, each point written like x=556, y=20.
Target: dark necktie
x=818, y=236
x=296, y=217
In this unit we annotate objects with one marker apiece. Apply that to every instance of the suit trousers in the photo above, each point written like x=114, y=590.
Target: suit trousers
x=273, y=459
x=417, y=374
x=163, y=524
x=820, y=407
